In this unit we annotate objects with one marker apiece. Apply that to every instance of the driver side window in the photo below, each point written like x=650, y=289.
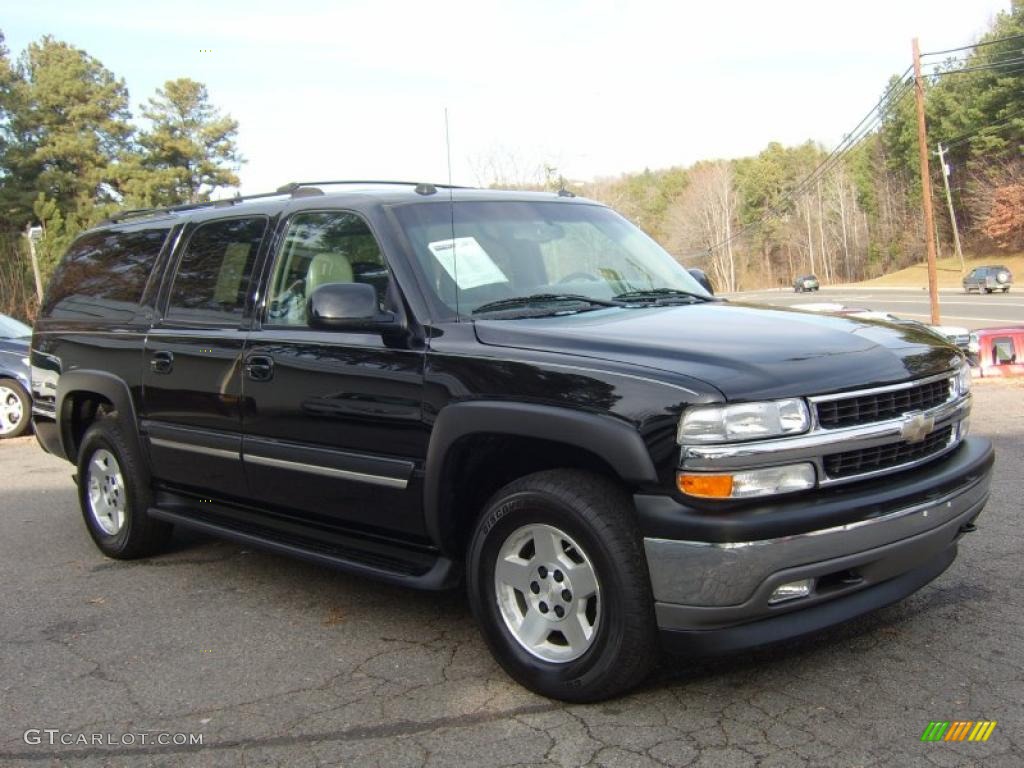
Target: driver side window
x=319, y=248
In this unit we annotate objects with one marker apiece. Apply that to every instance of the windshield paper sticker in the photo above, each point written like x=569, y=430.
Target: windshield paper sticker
x=467, y=263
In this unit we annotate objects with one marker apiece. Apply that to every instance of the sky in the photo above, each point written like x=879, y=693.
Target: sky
x=356, y=89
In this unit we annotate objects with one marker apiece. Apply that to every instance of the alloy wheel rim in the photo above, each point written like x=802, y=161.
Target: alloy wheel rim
x=11, y=412
x=106, y=492
x=548, y=593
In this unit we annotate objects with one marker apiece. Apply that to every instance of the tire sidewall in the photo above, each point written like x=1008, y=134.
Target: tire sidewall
x=104, y=436
x=499, y=521
x=26, y=408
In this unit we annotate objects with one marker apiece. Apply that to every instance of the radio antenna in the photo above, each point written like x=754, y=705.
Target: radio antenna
x=451, y=211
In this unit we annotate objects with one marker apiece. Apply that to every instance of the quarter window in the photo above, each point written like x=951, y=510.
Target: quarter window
x=319, y=248
x=103, y=274
x=213, y=274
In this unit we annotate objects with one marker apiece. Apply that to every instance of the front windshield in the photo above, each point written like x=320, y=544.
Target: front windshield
x=505, y=250
x=13, y=329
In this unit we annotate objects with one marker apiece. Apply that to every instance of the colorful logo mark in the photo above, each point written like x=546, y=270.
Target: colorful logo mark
x=958, y=730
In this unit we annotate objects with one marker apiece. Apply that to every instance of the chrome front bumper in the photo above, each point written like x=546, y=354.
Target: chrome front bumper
x=700, y=585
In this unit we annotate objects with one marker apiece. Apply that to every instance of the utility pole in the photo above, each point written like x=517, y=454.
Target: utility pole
x=949, y=202
x=926, y=186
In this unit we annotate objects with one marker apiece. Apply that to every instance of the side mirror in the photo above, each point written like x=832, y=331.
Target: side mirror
x=349, y=307
x=701, y=277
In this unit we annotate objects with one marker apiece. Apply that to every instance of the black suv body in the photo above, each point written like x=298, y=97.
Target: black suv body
x=519, y=390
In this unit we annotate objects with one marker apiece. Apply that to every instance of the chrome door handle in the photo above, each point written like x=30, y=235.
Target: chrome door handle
x=162, y=362
x=259, y=367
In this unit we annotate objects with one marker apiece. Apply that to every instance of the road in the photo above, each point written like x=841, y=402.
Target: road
x=277, y=662
x=968, y=310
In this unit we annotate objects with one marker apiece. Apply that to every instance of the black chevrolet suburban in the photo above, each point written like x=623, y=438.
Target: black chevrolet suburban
x=518, y=391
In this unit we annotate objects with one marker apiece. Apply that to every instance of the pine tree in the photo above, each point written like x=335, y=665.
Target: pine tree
x=189, y=150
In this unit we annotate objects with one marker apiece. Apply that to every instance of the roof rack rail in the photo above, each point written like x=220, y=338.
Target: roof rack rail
x=294, y=185
x=135, y=213
x=292, y=188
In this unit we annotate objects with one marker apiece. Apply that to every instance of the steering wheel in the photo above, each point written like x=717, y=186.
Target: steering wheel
x=577, y=276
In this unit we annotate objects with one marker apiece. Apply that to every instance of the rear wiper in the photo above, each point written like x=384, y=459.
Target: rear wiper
x=661, y=294
x=542, y=298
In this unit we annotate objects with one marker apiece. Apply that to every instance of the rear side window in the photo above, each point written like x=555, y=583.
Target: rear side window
x=213, y=273
x=103, y=275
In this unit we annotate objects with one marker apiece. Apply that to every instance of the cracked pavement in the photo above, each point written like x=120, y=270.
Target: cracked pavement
x=278, y=662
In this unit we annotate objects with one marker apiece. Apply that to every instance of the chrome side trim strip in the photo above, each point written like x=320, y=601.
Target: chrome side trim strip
x=179, y=446
x=313, y=469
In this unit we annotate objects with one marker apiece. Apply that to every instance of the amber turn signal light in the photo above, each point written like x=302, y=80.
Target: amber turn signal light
x=707, y=486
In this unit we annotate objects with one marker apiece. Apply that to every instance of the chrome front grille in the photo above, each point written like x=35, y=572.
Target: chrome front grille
x=855, y=435
x=881, y=457
x=882, y=405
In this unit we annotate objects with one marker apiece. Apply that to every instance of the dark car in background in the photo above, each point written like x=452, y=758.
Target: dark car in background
x=15, y=403
x=988, y=279
x=806, y=283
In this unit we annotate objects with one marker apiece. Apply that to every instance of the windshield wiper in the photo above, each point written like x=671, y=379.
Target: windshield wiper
x=534, y=299
x=661, y=295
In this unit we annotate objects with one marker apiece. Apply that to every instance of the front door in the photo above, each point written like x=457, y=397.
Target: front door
x=332, y=419
x=192, y=385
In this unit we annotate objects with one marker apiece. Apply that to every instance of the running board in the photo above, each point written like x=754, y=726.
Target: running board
x=441, y=574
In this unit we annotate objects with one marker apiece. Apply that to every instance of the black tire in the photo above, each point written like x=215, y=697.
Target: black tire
x=16, y=426
x=598, y=515
x=138, y=535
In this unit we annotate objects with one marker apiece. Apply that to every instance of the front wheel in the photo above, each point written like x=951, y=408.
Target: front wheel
x=558, y=582
x=15, y=409
x=114, y=495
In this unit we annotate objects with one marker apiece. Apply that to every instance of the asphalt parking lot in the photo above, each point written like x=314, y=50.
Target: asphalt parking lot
x=276, y=662
x=957, y=308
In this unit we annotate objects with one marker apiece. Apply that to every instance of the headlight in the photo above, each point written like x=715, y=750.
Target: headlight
x=748, y=483
x=963, y=380
x=743, y=421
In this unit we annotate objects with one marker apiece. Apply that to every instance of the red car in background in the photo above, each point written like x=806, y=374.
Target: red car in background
x=998, y=351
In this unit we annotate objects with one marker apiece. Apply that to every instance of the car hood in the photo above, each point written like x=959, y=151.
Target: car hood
x=19, y=346
x=745, y=351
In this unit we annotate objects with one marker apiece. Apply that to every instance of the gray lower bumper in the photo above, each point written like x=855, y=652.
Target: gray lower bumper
x=700, y=585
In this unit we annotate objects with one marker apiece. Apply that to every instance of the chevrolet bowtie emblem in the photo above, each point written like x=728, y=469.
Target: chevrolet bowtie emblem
x=916, y=427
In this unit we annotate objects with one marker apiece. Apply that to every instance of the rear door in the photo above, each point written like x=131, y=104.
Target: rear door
x=192, y=386
x=332, y=419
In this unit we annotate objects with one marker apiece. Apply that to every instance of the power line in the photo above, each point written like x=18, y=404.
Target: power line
x=982, y=68
x=974, y=45
x=976, y=60
x=893, y=96
x=966, y=137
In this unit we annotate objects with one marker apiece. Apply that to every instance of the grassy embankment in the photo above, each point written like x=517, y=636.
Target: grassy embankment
x=949, y=272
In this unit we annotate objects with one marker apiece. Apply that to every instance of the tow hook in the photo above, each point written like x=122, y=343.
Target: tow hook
x=968, y=528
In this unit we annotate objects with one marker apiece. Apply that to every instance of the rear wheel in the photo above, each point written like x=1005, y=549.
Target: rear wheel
x=114, y=496
x=15, y=409
x=558, y=583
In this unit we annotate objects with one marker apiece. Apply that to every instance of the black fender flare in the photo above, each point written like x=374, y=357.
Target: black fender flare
x=109, y=386
x=615, y=441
